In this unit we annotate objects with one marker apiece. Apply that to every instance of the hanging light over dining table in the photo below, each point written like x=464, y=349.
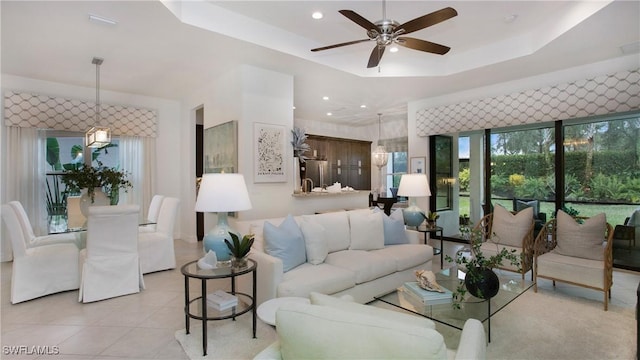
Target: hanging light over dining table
x=98, y=136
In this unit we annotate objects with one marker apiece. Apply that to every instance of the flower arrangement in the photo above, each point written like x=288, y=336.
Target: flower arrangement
x=300, y=147
x=89, y=177
x=477, y=266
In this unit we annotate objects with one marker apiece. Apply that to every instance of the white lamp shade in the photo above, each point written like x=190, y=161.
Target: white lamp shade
x=222, y=193
x=414, y=185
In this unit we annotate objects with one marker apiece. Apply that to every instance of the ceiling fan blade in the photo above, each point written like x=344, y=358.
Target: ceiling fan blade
x=428, y=20
x=339, y=45
x=423, y=45
x=376, y=55
x=353, y=16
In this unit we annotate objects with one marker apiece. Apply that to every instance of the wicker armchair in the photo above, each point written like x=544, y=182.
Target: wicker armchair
x=514, y=232
x=550, y=263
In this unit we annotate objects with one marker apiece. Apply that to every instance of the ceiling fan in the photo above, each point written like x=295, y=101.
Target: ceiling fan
x=386, y=32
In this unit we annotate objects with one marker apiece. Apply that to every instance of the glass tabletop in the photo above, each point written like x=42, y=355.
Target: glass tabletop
x=511, y=286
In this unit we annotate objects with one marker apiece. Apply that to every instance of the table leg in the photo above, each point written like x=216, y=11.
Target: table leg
x=489, y=318
x=441, y=250
x=255, y=285
x=186, y=304
x=204, y=317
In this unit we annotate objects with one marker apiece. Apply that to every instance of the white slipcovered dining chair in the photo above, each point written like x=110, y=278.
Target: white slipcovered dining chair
x=40, y=270
x=577, y=254
x=110, y=263
x=152, y=214
x=157, y=247
x=30, y=237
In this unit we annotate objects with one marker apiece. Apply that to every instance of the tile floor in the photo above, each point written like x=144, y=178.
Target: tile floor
x=142, y=326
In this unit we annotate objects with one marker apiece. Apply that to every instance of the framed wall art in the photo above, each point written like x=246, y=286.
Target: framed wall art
x=418, y=165
x=269, y=153
x=221, y=148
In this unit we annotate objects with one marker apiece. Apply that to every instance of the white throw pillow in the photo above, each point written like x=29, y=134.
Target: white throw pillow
x=581, y=240
x=315, y=242
x=509, y=229
x=394, y=230
x=367, y=231
x=336, y=225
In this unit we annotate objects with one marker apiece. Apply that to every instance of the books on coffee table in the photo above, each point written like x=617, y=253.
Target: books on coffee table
x=425, y=296
x=221, y=300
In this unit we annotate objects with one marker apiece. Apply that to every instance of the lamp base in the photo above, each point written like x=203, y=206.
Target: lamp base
x=413, y=216
x=214, y=240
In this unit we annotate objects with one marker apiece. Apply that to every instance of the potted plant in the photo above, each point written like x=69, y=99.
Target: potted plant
x=88, y=177
x=239, y=249
x=480, y=280
x=300, y=147
x=431, y=218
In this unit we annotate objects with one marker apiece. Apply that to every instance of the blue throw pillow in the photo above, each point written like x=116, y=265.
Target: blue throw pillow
x=394, y=230
x=285, y=242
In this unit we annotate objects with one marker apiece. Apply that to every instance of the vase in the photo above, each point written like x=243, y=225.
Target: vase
x=99, y=199
x=239, y=263
x=297, y=180
x=484, y=285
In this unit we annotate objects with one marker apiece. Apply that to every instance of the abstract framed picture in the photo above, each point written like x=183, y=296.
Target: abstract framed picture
x=221, y=148
x=269, y=153
x=418, y=165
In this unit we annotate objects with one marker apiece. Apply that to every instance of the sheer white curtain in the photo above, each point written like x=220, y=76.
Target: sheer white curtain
x=24, y=176
x=137, y=157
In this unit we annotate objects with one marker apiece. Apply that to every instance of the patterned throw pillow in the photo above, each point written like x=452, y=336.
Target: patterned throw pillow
x=584, y=240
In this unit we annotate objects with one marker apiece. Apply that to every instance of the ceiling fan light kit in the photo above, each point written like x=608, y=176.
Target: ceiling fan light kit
x=387, y=32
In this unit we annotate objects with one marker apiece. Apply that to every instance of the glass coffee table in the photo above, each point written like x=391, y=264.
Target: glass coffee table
x=511, y=286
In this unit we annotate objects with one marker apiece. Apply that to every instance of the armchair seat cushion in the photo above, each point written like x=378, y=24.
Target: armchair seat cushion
x=489, y=248
x=572, y=269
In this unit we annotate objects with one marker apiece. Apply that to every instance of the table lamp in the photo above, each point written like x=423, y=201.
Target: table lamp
x=413, y=186
x=221, y=193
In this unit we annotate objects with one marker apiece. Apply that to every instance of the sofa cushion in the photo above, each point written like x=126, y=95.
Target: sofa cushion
x=336, y=225
x=581, y=240
x=315, y=242
x=394, y=230
x=332, y=301
x=406, y=256
x=321, y=332
x=366, y=265
x=285, y=242
x=324, y=278
x=509, y=229
x=367, y=230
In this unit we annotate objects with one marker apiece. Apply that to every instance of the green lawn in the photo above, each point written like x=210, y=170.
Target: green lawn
x=615, y=213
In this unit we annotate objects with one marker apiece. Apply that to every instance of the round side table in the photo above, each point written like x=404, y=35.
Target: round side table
x=267, y=310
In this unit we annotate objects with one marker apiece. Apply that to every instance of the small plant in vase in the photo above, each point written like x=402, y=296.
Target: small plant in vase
x=239, y=249
x=480, y=280
x=431, y=218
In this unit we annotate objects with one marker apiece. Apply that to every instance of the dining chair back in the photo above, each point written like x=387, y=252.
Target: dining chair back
x=110, y=263
x=157, y=248
x=30, y=237
x=39, y=270
x=152, y=214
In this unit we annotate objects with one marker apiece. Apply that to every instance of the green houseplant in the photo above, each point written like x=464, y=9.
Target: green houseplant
x=90, y=178
x=480, y=280
x=431, y=218
x=239, y=249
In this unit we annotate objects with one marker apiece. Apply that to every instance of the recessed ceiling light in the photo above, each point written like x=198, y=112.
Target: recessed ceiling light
x=101, y=20
x=329, y=114
x=294, y=108
x=325, y=98
x=393, y=49
x=510, y=18
x=317, y=15
x=363, y=106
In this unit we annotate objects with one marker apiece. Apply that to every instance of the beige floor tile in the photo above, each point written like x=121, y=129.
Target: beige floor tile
x=92, y=340
x=141, y=343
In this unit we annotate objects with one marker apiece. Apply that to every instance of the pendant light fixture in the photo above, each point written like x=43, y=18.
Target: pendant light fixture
x=380, y=156
x=98, y=136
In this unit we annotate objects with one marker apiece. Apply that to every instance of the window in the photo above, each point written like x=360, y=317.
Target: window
x=396, y=166
x=442, y=173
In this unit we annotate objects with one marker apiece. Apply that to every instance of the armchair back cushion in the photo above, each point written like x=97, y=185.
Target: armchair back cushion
x=509, y=229
x=581, y=240
x=322, y=332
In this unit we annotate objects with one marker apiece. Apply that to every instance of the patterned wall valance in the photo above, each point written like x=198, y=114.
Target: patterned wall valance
x=602, y=95
x=46, y=112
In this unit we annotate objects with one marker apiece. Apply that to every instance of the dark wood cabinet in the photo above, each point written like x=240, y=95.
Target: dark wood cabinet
x=345, y=161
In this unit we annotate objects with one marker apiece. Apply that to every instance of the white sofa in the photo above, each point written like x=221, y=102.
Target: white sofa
x=332, y=328
x=346, y=269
